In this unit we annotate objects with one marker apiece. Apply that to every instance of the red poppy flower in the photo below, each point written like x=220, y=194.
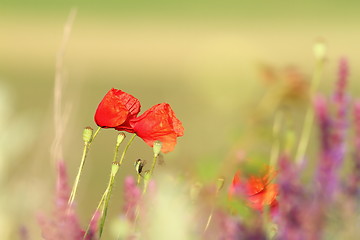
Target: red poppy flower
x=258, y=191
x=116, y=110
x=159, y=123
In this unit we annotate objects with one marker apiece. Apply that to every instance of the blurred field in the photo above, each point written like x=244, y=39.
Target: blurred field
x=202, y=58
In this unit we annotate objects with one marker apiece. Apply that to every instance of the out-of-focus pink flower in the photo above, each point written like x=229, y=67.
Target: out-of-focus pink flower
x=132, y=196
x=64, y=223
x=354, y=178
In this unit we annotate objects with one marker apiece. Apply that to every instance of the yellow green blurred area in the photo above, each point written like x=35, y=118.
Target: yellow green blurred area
x=204, y=58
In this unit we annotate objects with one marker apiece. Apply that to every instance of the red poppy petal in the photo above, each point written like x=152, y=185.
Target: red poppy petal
x=254, y=185
x=131, y=103
x=236, y=180
x=158, y=123
x=116, y=108
x=235, y=185
x=168, y=142
x=110, y=116
x=125, y=127
x=258, y=191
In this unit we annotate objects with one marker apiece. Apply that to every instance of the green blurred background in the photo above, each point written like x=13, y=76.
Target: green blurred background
x=205, y=58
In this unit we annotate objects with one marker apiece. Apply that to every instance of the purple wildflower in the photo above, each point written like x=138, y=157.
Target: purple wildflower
x=230, y=228
x=333, y=133
x=64, y=223
x=340, y=121
x=252, y=232
x=132, y=195
x=292, y=202
x=343, y=73
x=223, y=227
x=354, y=179
x=326, y=176
x=227, y=227
x=23, y=232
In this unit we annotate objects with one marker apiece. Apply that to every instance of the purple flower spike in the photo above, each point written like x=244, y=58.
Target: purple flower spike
x=333, y=134
x=132, y=195
x=343, y=74
x=341, y=101
x=324, y=121
x=326, y=177
x=354, y=179
x=64, y=223
x=293, y=207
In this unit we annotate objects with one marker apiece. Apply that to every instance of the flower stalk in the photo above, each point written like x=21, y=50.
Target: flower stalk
x=319, y=52
x=105, y=199
x=147, y=175
x=88, y=138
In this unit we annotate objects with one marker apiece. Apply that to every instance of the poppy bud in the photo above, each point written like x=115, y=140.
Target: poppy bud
x=87, y=135
x=157, y=148
x=114, y=168
x=320, y=50
x=120, y=138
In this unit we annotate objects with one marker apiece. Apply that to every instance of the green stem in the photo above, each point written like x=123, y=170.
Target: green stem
x=77, y=179
x=82, y=163
x=219, y=186
x=96, y=133
x=147, y=177
x=153, y=165
x=309, y=117
x=209, y=219
x=126, y=148
x=97, y=209
x=107, y=194
x=275, y=149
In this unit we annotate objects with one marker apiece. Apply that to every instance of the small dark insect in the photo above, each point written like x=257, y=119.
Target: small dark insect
x=139, y=164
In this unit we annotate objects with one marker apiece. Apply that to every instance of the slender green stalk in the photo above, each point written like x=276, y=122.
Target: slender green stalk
x=309, y=117
x=153, y=165
x=82, y=163
x=275, y=149
x=77, y=179
x=146, y=178
x=96, y=133
x=148, y=174
x=107, y=194
x=138, y=179
x=209, y=219
x=97, y=209
x=305, y=135
x=219, y=186
x=126, y=148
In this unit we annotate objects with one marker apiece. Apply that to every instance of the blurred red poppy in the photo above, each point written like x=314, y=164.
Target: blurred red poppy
x=116, y=110
x=259, y=192
x=158, y=123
